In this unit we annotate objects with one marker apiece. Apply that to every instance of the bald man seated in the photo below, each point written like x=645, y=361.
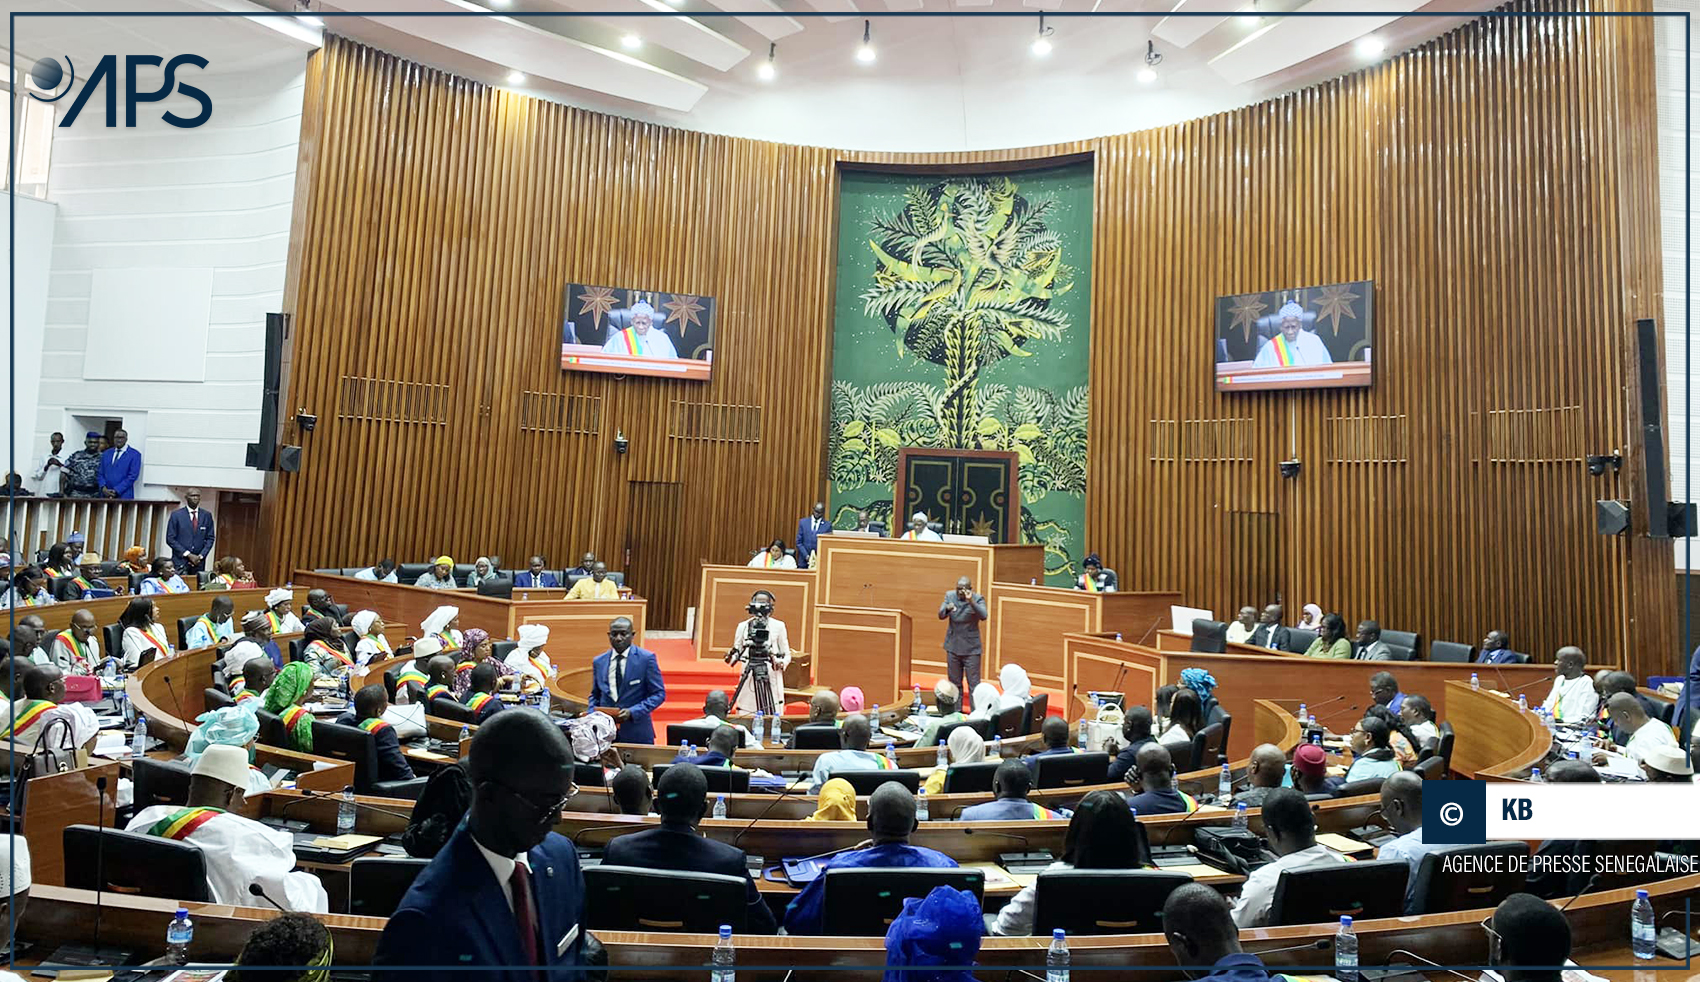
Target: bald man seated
x=1402, y=807
x=823, y=710
x=1200, y=930
x=1572, y=699
x=855, y=756
x=1156, y=793
x=1531, y=932
x=1629, y=717
x=1267, y=770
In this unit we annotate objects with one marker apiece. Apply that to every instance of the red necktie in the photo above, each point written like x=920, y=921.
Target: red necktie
x=525, y=912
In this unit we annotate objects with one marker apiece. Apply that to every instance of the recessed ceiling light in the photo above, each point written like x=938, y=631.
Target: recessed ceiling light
x=1370, y=46
x=1250, y=19
x=516, y=78
x=865, y=54
x=1147, y=75
x=766, y=70
x=632, y=41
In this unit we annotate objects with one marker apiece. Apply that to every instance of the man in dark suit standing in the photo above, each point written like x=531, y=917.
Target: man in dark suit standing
x=504, y=891
x=1270, y=632
x=809, y=531
x=626, y=684
x=682, y=798
x=120, y=468
x=189, y=533
x=964, y=609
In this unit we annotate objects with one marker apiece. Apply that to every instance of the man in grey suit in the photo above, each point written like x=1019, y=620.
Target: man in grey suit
x=964, y=609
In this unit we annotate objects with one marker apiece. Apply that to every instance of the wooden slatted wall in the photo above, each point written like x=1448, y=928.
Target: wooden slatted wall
x=1495, y=183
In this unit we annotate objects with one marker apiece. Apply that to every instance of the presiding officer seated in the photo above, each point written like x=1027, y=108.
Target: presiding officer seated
x=682, y=799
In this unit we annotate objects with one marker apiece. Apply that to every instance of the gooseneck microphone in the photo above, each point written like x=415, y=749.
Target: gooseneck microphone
x=1425, y=961
x=254, y=889
x=787, y=792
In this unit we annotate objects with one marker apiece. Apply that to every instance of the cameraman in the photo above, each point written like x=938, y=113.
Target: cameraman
x=744, y=646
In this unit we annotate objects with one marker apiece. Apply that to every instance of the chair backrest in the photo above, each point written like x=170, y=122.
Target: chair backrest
x=294, y=652
x=1518, y=658
x=1209, y=635
x=589, y=775
x=1298, y=640
x=349, y=743
x=975, y=778
x=866, y=781
x=216, y=698
x=113, y=636
x=1443, y=749
x=136, y=582
x=460, y=571
x=376, y=884
x=390, y=683
x=408, y=573
x=1037, y=708
x=1409, y=640
x=1368, y=785
x=864, y=902
x=1207, y=746
x=1398, y=652
x=160, y=782
x=1010, y=721
x=500, y=650
x=629, y=898
x=272, y=732
x=1430, y=768
x=815, y=736
x=501, y=586
x=183, y=626
x=1103, y=901
x=1443, y=886
x=980, y=726
x=1322, y=893
x=1070, y=770
x=59, y=587
x=135, y=864
x=721, y=780
x=450, y=709
x=1451, y=651
x=696, y=733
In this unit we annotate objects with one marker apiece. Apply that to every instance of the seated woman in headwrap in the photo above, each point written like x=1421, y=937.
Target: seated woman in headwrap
x=481, y=572
x=1203, y=683
x=233, y=726
x=134, y=561
x=284, y=697
x=1017, y=687
x=851, y=699
x=230, y=574
x=986, y=699
x=280, y=611
x=323, y=648
x=836, y=802
x=966, y=747
x=372, y=645
x=474, y=652
x=942, y=929
x=529, y=661
x=443, y=624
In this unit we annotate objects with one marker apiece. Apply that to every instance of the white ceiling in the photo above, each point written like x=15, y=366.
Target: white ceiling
x=950, y=74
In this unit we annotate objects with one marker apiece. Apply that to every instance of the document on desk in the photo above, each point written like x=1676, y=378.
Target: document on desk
x=1343, y=844
x=1620, y=765
x=350, y=841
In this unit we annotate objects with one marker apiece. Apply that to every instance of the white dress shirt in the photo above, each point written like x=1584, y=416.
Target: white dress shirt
x=1651, y=734
x=1259, y=890
x=503, y=867
x=1239, y=634
x=1572, y=700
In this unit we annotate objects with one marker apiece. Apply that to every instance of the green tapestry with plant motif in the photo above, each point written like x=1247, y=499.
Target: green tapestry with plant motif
x=961, y=321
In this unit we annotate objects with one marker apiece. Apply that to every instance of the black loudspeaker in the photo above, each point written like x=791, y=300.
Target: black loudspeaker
x=1612, y=517
x=1652, y=425
x=263, y=454
x=1682, y=520
x=289, y=459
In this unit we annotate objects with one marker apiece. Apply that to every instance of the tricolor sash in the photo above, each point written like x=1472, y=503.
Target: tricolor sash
x=244, y=695
x=155, y=640
x=464, y=666
x=382, y=642
x=411, y=676
x=182, y=824
x=1283, y=350
x=227, y=579
x=83, y=582
x=629, y=336
x=23, y=720
x=1191, y=802
x=433, y=691
x=1089, y=583
x=206, y=621
x=292, y=716
x=322, y=647
x=477, y=702
x=275, y=621
x=70, y=641
x=448, y=639
x=543, y=669
x=373, y=725
x=767, y=559
x=1041, y=812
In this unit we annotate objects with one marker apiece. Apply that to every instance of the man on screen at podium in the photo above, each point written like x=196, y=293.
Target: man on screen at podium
x=1292, y=344
x=641, y=338
x=918, y=530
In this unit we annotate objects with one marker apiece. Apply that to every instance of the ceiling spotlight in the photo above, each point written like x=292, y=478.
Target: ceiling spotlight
x=1153, y=58
x=632, y=42
x=1147, y=75
x=865, y=54
x=1370, y=46
x=766, y=70
x=310, y=21
x=1042, y=43
x=1251, y=19
x=516, y=78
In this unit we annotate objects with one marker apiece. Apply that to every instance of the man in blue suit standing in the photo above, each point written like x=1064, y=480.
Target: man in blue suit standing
x=505, y=891
x=189, y=533
x=1496, y=650
x=626, y=684
x=120, y=468
x=809, y=531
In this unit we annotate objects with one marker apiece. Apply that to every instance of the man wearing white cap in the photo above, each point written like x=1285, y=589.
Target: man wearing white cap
x=641, y=339
x=442, y=625
x=441, y=575
x=256, y=631
x=240, y=851
x=529, y=659
x=411, y=679
x=918, y=530
x=1292, y=344
x=1667, y=765
x=280, y=611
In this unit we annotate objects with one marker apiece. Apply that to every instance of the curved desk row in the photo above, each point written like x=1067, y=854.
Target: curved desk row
x=171, y=606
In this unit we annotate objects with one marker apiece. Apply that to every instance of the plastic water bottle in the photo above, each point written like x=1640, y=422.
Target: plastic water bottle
x=874, y=717
x=1475, y=683
x=684, y=747
x=139, y=742
x=921, y=805
x=345, y=812
x=1304, y=712
x=1239, y=816
x=756, y=729
x=1225, y=784
x=178, y=934
x=891, y=754
x=1056, y=960
x=724, y=957
x=1522, y=703
x=917, y=708
x=943, y=759
x=1083, y=729
x=1642, y=928
x=1346, y=952
x=1535, y=775
x=997, y=746
x=465, y=733
x=1572, y=755
x=342, y=688
x=720, y=806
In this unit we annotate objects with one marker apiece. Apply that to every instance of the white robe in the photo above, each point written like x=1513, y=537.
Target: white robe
x=1572, y=700
x=241, y=851
x=1307, y=350
x=240, y=654
x=926, y=535
x=759, y=561
x=371, y=649
x=655, y=344
x=779, y=644
x=519, y=661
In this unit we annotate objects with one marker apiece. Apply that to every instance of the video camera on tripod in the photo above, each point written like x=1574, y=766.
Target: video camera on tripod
x=757, y=657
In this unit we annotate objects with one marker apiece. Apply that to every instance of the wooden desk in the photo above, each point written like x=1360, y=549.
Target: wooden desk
x=725, y=592
x=1100, y=663
x=1495, y=739
x=1028, y=623
x=172, y=606
x=54, y=801
x=865, y=647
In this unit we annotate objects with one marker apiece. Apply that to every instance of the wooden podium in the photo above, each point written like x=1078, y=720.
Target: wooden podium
x=861, y=646
x=1028, y=623
x=725, y=593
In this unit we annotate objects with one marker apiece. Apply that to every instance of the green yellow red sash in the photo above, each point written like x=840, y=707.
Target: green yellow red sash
x=324, y=648
x=448, y=639
x=629, y=336
x=373, y=725
x=21, y=721
x=433, y=691
x=180, y=825
x=1191, y=802
x=206, y=621
x=1041, y=812
x=244, y=695
x=464, y=666
x=157, y=641
x=411, y=676
x=292, y=716
x=542, y=669
x=275, y=621
x=227, y=579
x=1283, y=350
x=1089, y=583
x=70, y=641
x=478, y=702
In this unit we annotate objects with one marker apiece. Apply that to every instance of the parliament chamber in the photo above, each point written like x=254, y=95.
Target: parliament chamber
x=716, y=490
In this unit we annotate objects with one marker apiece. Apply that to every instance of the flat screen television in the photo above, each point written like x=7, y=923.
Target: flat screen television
x=621, y=331
x=1309, y=337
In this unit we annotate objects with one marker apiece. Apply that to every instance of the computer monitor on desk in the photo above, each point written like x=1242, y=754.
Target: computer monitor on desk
x=1181, y=618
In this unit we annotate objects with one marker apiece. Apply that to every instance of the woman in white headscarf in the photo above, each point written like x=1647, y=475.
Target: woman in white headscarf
x=443, y=624
x=481, y=571
x=529, y=660
x=966, y=747
x=1311, y=618
x=986, y=701
x=280, y=610
x=1017, y=687
x=372, y=645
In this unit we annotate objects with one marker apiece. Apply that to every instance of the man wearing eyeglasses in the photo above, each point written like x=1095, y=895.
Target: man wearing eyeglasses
x=1402, y=807
x=504, y=891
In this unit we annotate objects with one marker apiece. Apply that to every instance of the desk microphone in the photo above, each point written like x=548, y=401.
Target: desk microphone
x=1503, y=685
x=1324, y=702
x=307, y=795
x=181, y=721
x=1336, y=714
x=1425, y=961
x=784, y=793
x=1589, y=885
x=970, y=830
x=254, y=889
x=1320, y=944
x=1540, y=681
x=604, y=828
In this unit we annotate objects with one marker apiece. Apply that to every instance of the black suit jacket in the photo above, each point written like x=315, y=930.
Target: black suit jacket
x=1260, y=636
x=680, y=847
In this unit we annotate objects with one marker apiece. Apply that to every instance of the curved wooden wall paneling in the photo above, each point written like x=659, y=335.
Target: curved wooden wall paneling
x=1496, y=183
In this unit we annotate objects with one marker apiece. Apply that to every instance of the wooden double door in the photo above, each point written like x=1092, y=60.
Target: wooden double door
x=970, y=492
